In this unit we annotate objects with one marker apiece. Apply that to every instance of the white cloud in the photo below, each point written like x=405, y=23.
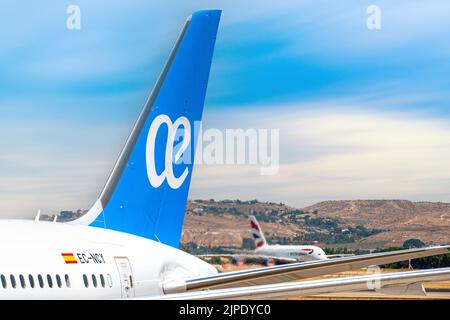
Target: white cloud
x=344, y=153
x=326, y=153
x=323, y=29
x=55, y=166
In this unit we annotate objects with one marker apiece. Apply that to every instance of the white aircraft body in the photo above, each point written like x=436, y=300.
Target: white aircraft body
x=126, y=244
x=45, y=260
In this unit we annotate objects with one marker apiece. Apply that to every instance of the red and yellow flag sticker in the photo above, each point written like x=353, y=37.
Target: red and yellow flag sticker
x=69, y=258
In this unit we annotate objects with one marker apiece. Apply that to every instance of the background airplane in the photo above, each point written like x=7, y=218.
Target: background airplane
x=285, y=253
x=274, y=254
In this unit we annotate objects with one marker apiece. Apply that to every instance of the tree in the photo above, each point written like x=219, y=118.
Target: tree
x=413, y=243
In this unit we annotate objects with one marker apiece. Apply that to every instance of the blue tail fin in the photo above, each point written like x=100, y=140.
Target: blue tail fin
x=147, y=190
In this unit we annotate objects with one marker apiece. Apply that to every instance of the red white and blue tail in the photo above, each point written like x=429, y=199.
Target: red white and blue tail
x=257, y=233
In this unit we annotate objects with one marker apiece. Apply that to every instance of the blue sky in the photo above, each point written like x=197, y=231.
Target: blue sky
x=69, y=98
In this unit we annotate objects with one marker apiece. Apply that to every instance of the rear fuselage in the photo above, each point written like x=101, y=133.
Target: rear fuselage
x=44, y=260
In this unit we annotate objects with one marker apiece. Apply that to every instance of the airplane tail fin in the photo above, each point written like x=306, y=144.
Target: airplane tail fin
x=147, y=190
x=258, y=234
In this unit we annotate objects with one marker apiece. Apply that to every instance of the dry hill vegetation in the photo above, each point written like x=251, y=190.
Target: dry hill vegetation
x=224, y=223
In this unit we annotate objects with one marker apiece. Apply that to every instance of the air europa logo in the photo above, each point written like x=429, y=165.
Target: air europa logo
x=154, y=178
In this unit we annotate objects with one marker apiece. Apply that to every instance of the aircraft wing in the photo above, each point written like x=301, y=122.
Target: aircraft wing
x=372, y=282
x=297, y=271
x=225, y=255
x=257, y=257
x=278, y=259
x=334, y=256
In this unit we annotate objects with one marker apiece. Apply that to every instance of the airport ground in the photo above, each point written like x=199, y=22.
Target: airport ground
x=434, y=290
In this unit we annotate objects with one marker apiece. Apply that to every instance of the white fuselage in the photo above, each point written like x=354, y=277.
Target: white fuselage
x=99, y=263
x=299, y=253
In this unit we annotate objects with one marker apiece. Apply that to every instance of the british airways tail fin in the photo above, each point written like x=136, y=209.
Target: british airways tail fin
x=258, y=234
x=147, y=190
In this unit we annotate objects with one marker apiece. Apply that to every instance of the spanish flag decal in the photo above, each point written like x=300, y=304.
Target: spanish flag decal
x=69, y=258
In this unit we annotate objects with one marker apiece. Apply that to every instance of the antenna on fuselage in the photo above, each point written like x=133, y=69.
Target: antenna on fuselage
x=38, y=215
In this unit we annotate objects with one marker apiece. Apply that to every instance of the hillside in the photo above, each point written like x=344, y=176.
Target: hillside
x=428, y=221
x=224, y=223
x=388, y=222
